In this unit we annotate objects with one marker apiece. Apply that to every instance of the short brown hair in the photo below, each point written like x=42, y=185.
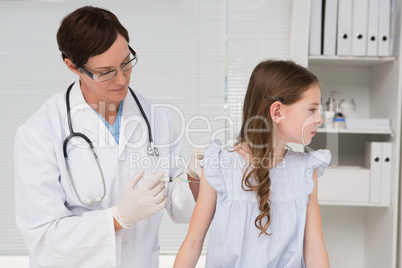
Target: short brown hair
x=87, y=32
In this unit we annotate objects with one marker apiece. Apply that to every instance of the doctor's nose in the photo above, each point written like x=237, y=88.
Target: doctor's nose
x=121, y=77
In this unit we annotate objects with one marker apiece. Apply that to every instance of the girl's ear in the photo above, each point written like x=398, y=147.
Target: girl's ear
x=71, y=66
x=277, y=112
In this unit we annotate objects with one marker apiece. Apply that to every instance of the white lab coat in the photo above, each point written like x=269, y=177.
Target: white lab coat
x=61, y=232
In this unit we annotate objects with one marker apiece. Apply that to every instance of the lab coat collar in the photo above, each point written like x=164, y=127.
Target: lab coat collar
x=85, y=118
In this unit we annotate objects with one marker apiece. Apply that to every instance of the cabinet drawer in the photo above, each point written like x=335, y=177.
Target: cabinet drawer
x=344, y=184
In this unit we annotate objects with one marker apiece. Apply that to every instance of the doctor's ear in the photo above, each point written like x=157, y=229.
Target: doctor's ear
x=277, y=112
x=71, y=65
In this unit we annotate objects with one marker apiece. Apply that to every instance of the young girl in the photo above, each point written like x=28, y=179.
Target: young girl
x=262, y=197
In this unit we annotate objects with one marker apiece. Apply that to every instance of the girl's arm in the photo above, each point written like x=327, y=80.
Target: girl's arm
x=202, y=216
x=315, y=253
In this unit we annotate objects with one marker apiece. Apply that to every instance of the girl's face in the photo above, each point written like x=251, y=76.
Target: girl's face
x=301, y=118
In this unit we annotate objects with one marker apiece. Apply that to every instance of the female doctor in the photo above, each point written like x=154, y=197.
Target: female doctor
x=89, y=163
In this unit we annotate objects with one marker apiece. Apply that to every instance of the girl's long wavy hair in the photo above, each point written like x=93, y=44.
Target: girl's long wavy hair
x=283, y=79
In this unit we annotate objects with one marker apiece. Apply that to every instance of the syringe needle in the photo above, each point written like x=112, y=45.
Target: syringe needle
x=173, y=179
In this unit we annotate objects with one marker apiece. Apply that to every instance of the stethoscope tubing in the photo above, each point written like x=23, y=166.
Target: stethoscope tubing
x=152, y=151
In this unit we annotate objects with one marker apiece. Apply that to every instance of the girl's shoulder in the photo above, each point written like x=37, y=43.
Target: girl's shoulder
x=220, y=165
x=218, y=153
x=315, y=159
x=306, y=163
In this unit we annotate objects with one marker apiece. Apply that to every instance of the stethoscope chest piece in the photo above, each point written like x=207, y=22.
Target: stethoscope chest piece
x=152, y=150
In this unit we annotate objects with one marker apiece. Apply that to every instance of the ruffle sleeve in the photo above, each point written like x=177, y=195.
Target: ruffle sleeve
x=213, y=165
x=315, y=160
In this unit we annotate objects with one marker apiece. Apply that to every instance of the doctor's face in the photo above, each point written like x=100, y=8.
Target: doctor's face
x=115, y=89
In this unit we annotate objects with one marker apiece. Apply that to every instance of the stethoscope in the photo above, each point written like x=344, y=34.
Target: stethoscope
x=152, y=150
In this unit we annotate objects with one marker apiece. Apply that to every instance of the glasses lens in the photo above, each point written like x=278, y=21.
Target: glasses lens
x=126, y=67
x=129, y=65
x=107, y=76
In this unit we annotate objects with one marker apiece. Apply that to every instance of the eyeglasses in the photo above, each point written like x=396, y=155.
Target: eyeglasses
x=273, y=98
x=111, y=74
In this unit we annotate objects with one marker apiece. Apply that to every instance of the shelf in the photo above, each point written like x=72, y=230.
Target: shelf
x=356, y=131
x=350, y=61
x=353, y=204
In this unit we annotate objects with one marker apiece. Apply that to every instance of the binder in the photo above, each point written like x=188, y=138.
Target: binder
x=344, y=36
x=374, y=155
x=386, y=172
x=315, y=28
x=379, y=160
x=330, y=17
x=359, y=27
x=384, y=28
x=372, y=27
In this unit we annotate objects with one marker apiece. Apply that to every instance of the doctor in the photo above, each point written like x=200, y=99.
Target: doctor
x=78, y=206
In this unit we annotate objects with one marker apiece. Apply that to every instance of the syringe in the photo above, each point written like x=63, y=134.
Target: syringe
x=174, y=179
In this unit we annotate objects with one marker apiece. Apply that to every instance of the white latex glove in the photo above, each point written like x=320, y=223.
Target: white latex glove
x=195, y=165
x=142, y=202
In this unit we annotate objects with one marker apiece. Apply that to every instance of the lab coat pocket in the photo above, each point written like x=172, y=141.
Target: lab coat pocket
x=155, y=259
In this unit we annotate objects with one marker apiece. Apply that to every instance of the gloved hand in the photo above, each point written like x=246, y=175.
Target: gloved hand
x=196, y=163
x=142, y=202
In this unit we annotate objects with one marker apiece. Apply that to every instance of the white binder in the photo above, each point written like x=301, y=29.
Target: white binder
x=330, y=17
x=315, y=27
x=359, y=27
x=372, y=27
x=373, y=160
x=344, y=36
x=384, y=28
x=386, y=172
x=379, y=160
